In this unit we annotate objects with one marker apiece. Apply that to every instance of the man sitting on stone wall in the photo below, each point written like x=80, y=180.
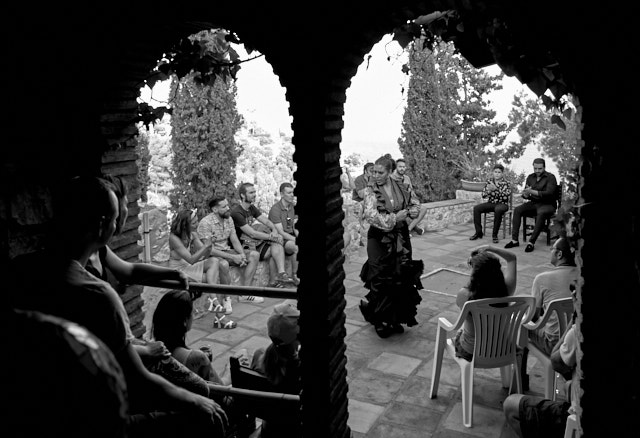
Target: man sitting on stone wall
x=283, y=216
x=268, y=244
x=219, y=228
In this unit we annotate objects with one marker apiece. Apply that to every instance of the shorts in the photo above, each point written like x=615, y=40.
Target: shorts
x=541, y=417
x=261, y=247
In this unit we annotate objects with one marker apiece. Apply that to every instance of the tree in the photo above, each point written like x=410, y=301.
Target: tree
x=557, y=136
x=264, y=163
x=204, y=121
x=447, y=122
x=144, y=157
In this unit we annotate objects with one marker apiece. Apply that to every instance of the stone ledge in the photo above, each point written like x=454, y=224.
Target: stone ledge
x=441, y=214
x=448, y=202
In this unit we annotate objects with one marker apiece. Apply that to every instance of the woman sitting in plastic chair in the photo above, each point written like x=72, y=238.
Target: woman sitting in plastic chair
x=487, y=281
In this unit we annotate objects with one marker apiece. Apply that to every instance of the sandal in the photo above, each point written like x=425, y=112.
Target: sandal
x=222, y=324
x=215, y=308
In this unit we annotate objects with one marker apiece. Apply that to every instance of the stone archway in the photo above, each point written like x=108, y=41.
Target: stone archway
x=95, y=60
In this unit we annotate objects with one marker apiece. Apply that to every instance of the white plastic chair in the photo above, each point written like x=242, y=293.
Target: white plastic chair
x=571, y=429
x=496, y=335
x=563, y=308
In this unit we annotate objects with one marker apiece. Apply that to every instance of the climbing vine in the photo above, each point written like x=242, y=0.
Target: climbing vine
x=205, y=56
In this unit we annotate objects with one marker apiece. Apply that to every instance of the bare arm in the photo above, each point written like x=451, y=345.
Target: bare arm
x=160, y=392
x=511, y=272
x=138, y=273
x=176, y=244
x=462, y=297
x=284, y=234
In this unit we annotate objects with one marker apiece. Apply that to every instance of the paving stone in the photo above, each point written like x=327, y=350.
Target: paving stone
x=355, y=362
x=487, y=423
x=416, y=392
x=375, y=387
x=449, y=372
x=417, y=416
x=363, y=415
x=256, y=321
x=195, y=334
x=388, y=430
x=230, y=336
x=395, y=364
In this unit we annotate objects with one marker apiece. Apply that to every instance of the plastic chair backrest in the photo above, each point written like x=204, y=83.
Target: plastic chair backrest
x=497, y=328
x=563, y=307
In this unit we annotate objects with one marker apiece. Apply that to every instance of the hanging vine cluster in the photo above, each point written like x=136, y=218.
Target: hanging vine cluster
x=207, y=55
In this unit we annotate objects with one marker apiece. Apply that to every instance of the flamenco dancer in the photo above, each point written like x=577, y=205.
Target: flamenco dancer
x=392, y=277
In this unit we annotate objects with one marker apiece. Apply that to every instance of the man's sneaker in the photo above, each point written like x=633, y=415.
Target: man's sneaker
x=251, y=299
x=296, y=280
x=227, y=306
x=283, y=278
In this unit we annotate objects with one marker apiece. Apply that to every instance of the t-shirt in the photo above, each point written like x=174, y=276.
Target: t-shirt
x=552, y=285
x=213, y=227
x=242, y=217
x=75, y=294
x=279, y=214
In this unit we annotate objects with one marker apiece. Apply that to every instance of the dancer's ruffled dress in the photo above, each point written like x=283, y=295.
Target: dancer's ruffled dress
x=392, y=277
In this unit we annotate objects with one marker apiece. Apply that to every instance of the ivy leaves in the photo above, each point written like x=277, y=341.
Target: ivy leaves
x=205, y=57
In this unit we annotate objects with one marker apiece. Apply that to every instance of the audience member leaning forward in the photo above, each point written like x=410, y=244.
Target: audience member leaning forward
x=156, y=406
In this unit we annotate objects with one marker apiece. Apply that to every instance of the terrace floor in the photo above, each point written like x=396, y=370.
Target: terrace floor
x=389, y=379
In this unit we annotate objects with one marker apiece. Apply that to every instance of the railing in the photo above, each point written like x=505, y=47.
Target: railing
x=267, y=292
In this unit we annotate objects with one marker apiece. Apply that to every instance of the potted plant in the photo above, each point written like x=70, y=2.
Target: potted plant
x=472, y=171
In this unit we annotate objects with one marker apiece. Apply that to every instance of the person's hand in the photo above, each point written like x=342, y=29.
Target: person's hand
x=157, y=349
x=401, y=215
x=212, y=408
x=182, y=279
x=481, y=248
x=491, y=187
x=239, y=259
x=243, y=357
x=276, y=237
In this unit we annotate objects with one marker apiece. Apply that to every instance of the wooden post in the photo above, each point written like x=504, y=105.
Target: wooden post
x=146, y=238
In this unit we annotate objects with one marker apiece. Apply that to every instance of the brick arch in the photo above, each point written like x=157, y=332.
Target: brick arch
x=95, y=78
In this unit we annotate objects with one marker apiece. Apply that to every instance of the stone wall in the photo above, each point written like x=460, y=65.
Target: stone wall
x=440, y=215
